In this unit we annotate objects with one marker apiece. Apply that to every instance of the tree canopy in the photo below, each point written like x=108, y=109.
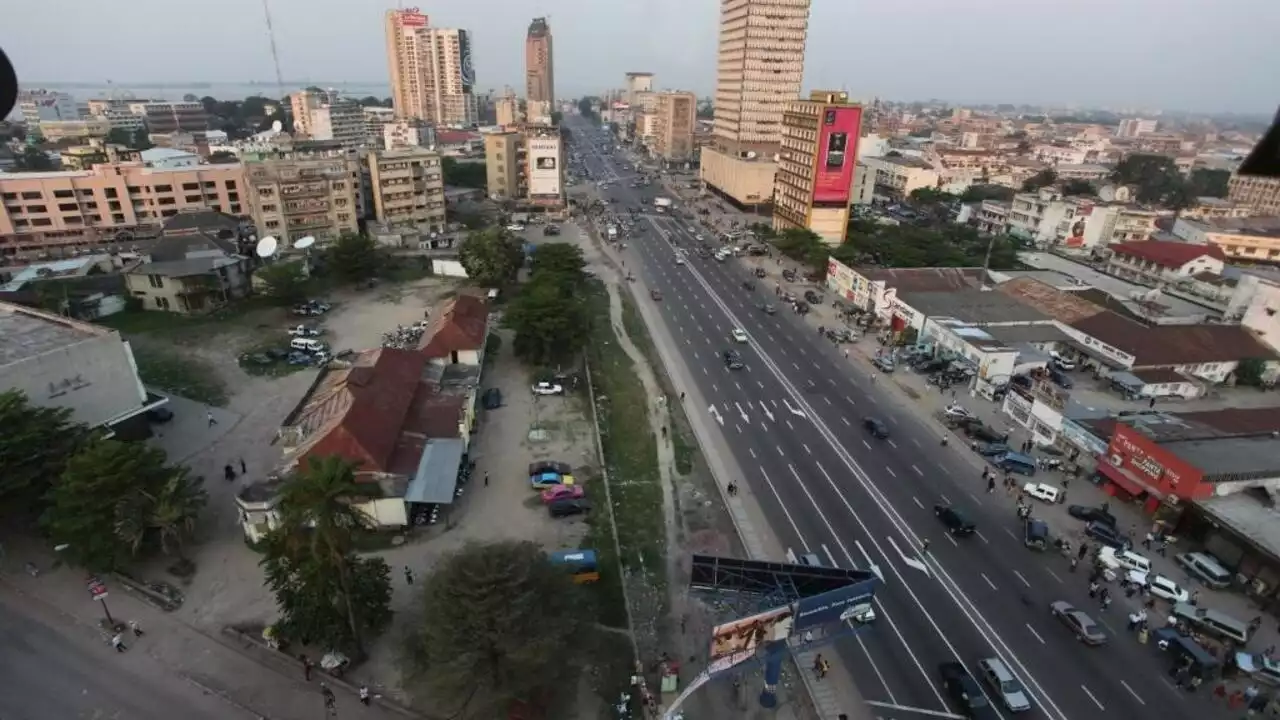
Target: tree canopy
x=1077, y=187
x=352, y=257
x=1156, y=180
x=464, y=174
x=325, y=592
x=286, y=282
x=584, y=107
x=32, y=159
x=500, y=624
x=549, y=314
x=978, y=193
x=34, y=447
x=897, y=246
x=1044, y=178
x=491, y=257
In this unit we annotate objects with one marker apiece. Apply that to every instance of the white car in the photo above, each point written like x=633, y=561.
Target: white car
x=679, y=259
x=304, y=331
x=739, y=335
x=1164, y=588
x=515, y=228
x=547, y=388
x=1042, y=492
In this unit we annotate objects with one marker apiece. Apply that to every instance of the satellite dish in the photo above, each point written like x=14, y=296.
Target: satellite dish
x=304, y=243
x=277, y=126
x=267, y=247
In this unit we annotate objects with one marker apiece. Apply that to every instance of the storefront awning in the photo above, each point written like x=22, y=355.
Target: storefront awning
x=1123, y=479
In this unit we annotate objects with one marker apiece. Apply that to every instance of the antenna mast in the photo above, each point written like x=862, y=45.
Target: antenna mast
x=275, y=56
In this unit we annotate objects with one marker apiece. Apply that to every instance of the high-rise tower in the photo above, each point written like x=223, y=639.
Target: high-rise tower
x=539, y=70
x=432, y=77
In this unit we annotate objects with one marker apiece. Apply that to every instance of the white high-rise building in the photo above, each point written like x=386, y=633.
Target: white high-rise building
x=432, y=77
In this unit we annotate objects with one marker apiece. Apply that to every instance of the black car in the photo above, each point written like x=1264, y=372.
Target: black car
x=492, y=399
x=767, y=309
x=965, y=693
x=876, y=427
x=567, y=508
x=1091, y=514
x=955, y=521
x=1107, y=535
x=760, y=272
x=159, y=415
x=733, y=360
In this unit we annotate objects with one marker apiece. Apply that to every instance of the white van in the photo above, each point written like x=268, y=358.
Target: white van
x=1125, y=559
x=1207, y=568
x=310, y=345
x=1213, y=622
x=1042, y=492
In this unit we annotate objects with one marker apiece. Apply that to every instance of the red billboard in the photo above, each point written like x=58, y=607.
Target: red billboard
x=837, y=154
x=411, y=17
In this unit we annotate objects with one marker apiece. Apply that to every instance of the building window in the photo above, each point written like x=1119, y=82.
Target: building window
x=31, y=195
x=193, y=198
x=162, y=303
x=41, y=222
x=231, y=184
x=163, y=188
x=111, y=193
x=63, y=193
x=190, y=186
x=156, y=281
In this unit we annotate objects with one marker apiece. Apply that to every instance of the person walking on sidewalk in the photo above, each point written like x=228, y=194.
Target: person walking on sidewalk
x=408, y=575
x=330, y=702
x=209, y=416
x=117, y=642
x=364, y=695
x=820, y=666
x=991, y=485
x=136, y=628
x=306, y=667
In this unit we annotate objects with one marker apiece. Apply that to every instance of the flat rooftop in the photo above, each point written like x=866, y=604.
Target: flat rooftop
x=1249, y=516
x=1118, y=289
x=27, y=333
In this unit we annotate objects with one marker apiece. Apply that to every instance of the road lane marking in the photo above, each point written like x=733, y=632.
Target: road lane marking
x=913, y=562
x=943, y=469
x=1024, y=580
x=715, y=389
x=807, y=451
x=864, y=442
x=780, y=451
x=945, y=499
x=984, y=537
x=788, y=422
x=892, y=473
x=917, y=442
x=831, y=380
x=875, y=569
x=993, y=585
x=1054, y=575
x=1009, y=532
x=1094, y=699
x=917, y=469
x=1037, y=636
x=845, y=420
x=916, y=500
x=1134, y=694
x=850, y=400
x=753, y=453
x=975, y=499
x=795, y=365
x=952, y=539
x=738, y=427
x=893, y=444
x=827, y=399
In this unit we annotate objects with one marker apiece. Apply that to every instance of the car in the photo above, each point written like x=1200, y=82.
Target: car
x=562, y=492
x=548, y=388
x=812, y=297
x=1007, y=687
x=985, y=433
x=655, y=295
x=955, y=411
x=304, y=331
x=954, y=520
x=739, y=335
x=545, y=466
x=491, y=399
x=515, y=227
x=159, y=415
x=567, y=508
x=1081, y=625
x=760, y=272
x=1042, y=492
x=679, y=259
x=1166, y=589
x=965, y=692
x=989, y=449
x=544, y=480
x=733, y=360
x=298, y=357
x=1107, y=535
x=884, y=362
x=1035, y=534
x=876, y=427
x=768, y=309
x=1091, y=514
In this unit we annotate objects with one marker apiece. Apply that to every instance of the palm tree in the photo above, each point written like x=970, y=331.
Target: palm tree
x=318, y=516
x=175, y=507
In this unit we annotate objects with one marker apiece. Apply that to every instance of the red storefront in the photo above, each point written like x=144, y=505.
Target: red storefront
x=1135, y=467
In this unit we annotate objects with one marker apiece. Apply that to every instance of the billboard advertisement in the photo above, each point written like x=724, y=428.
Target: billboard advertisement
x=544, y=167
x=468, y=69
x=738, y=641
x=411, y=17
x=851, y=603
x=837, y=154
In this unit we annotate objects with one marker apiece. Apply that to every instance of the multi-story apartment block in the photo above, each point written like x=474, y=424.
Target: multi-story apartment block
x=539, y=66
x=303, y=102
x=375, y=120
x=992, y=217
x=816, y=164
x=1135, y=127
x=897, y=176
x=1259, y=194
x=507, y=109
x=760, y=68
x=673, y=126
x=432, y=76
x=293, y=196
x=638, y=82
x=1048, y=218
x=39, y=106
x=341, y=122
x=82, y=129
x=504, y=158
x=1255, y=239
x=408, y=133
x=168, y=117
x=408, y=188
x=56, y=213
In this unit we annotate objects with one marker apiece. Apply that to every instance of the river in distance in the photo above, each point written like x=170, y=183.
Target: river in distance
x=218, y=90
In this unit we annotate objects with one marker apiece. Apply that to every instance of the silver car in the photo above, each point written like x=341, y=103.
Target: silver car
x=1006, y=686
x=1083, y=626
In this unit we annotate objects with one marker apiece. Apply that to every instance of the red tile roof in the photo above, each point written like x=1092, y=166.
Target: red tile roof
x=357, y=412
x=460, y=325
x=454, y=137
x=1167, y=254
x=1173, y=345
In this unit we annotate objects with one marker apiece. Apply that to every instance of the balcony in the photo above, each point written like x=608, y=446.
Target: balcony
x=309, y=221
x=303, y=190
x=306, y=206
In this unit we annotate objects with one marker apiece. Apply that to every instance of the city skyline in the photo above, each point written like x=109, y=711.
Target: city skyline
x=1137, y=58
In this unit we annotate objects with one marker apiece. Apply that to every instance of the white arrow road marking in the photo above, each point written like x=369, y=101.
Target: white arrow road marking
x=910, y=561
x=742, y=412
x=794, y=411
x=766, y=412
x=874, y=568
x=716, y=414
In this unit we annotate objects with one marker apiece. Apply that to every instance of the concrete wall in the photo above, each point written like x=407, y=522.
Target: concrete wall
x=749, y=182
x=96, y=379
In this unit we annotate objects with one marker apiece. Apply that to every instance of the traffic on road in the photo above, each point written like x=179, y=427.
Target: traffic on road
x=846, y=472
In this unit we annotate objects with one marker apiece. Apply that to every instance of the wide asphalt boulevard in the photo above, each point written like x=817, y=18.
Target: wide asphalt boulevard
x=793, y=419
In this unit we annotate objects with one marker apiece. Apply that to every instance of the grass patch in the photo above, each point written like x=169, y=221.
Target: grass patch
x=178, y=327
x=610, y=664
x=180, y=373
x=631, y=453
x=683, y=446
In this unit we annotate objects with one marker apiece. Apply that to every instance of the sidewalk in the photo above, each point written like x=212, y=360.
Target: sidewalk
x=928, y=403
x=259, y=689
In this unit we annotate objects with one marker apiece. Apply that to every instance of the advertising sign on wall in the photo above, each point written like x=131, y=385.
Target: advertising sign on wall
x=468, y=69
x=841, y=279
x=411, y=17
x=544, y=167
x=738, y=641
x=851, y=602
x=837, y=154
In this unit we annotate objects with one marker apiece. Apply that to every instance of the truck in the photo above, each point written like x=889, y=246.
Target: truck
x=662, y=202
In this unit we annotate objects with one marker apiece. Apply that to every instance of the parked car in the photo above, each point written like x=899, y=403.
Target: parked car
x=985, y=433
x=562, y=492
x=1081, y=625
x=954, y=521
x=544, y=466
x=544, y=480
x=1091, y=514
x=1107, y=535
x=304, y=331
x=965, y=693
x=655, y=295
x=548, y=388
x=492, y=399
x=1166, y=589
x=884, y=362
x=567, y=508
x=989, y=449
x=876, y=427
x=1042, y=492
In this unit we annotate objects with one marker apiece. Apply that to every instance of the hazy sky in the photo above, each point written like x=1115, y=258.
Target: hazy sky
x=1181, y=54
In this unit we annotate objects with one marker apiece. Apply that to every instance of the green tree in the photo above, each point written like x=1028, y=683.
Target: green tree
x=584, y=108
x=562, y=261
x=34, y=447
x=222, y=157
x=491, y=257
x=326, y=593
x=556, y=117
x=1044, y=178
x=370, y=101
x=286, y=282
x=353, y=257
x=1206, y=182
x=120, y=136
x=550, y=322
x=98, y=496
x=500, y=624
x=804, y=246
x=141, y=140
x=932, y=196
x=464, y=174
x=1155, y=177
x=1077, y=187
x=165, y=514
x=32, y=159
x=978, y=193
x=1250, y=371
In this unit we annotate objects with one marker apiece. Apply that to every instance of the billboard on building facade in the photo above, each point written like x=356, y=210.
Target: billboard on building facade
x=411, y=17
x=544, y=167
x=836, y=606
x=737, y=641
x=468, y=69
x=837, y=154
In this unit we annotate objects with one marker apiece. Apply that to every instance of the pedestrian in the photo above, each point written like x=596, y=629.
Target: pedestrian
x=1084, y=550
x=681, y=397
x=873, y=378
x=1195, y=597
x=408, y=575
x=244, y=469
x=991, y=485
x=1162, y=547
x=209, y=414
x=330, y=702
x=229, y=472
x=486, y=479
x=1093, y=589
x=117, y=642
x=306, y=667
x=1074, y=563
x=364, y=695
x=136, y=628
